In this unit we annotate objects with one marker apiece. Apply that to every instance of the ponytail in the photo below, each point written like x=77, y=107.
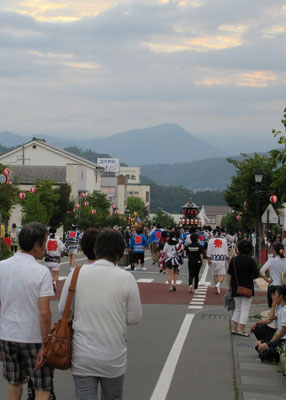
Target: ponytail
x=279, y=249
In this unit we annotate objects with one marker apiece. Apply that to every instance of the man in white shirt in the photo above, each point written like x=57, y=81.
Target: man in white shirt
x=25, y=317
x=217, y=254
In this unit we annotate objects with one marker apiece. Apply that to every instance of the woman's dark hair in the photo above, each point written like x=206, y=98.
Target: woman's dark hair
x=279, y=249
x=164, y=234
x=139, y=231
x=282, y=291
x=171, y=240
x=245, y=247
x=31, y=234
x=14, y=225
x=87, y=242
x=194, y=238
x=109, y=245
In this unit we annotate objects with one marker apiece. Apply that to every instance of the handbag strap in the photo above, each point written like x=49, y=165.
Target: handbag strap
x=235, y=273
x=72, y=286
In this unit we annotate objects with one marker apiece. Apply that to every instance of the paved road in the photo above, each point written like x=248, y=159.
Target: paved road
x=181, y=349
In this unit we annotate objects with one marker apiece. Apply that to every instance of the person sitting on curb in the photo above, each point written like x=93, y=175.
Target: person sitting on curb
x=268, y=351
x=260, y=329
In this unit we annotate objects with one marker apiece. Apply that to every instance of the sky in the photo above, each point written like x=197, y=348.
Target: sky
x=84, y=69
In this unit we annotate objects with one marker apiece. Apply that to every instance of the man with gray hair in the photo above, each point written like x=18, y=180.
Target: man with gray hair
x=25, y=316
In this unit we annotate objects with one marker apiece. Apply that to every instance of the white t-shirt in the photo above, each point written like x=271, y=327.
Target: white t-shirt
x=54, y=247
x=217, y=250
x=282, y=320
x=170, y=250
x=106, y=300
x=22, y=282
x=276, y=267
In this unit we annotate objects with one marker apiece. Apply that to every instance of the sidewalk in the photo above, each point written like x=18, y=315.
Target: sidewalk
x=255, y=380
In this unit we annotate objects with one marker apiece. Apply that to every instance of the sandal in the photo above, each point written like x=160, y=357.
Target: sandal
x=245, y=334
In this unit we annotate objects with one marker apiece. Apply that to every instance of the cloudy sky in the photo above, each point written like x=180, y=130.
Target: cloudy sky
x=93, y=68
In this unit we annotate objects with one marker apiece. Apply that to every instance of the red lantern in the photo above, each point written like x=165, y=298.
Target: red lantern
x=68, y=212
x=116, y=212
x=245, y=204
x=77, y=205
x=86, y=203
x=112, y=206
x=109, y=214
x=238, y=217
x=33, y=189
x=6, y=171
x=22, y=195
x=83, y=195
x=273, y=199
x=93, y=212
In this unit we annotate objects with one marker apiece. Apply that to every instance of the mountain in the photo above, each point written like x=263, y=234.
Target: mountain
x=159, y=144
x=211, y=174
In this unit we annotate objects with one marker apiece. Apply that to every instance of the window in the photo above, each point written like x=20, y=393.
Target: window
x=34, y=146
x=147, y=197
x=81, y=174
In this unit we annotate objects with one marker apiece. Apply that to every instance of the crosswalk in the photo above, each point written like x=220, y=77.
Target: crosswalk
x=198, y=299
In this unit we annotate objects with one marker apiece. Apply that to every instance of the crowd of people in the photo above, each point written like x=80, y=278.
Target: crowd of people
x=107, y=297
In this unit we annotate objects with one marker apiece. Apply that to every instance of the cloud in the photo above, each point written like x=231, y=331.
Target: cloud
x=98, y=67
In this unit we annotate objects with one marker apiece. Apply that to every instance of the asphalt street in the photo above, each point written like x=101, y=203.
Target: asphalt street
x=180, y=350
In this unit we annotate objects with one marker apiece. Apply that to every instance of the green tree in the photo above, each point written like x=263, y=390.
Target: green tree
x=84, y=218
x=137, y=205
x=163, y=219
x=40, y=206
x=243, y=188
x=8, y=197
x=64, y=204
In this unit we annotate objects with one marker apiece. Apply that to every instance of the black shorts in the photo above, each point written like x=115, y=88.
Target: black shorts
x=138, y=257
x=19, y=360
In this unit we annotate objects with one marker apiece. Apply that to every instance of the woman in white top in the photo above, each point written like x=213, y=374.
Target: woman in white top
x=276, y=267
x=106, y=300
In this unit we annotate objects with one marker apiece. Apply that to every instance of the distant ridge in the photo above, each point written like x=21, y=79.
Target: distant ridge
x=165, y=143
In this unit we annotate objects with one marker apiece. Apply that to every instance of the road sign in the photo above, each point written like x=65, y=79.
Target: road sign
x=3, y=178
x=273, y=217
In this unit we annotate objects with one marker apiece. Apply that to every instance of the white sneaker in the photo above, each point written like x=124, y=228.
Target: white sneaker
x=144, y=269
x=218, y=287
x=137, y=269
x=191, y=289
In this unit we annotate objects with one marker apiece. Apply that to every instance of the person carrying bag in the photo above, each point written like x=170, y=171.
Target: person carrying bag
x=242, y=271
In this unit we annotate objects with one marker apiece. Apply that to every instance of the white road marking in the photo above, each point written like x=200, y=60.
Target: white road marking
x=204, y=275
x=201, y=296
x=142, y=280
x=197, y=302
x=78, y=259
x=177, y=283
x=195, y=307
x=164, y=382
x=62, y=278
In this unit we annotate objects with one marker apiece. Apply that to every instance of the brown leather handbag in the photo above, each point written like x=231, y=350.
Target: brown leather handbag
x=241, y=290
x=57, y=345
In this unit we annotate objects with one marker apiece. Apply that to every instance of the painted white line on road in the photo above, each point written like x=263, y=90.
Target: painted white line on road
x=78, y=259
x=194, y=302
x=164, y=382
x=195, y=307
x=142, y=280
x=177, y=283
x=204, y=275
x=203, y=296
x=62, y=278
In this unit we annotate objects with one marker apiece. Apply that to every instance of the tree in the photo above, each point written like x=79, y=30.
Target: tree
x=8, y=197
x=137, y=205
x=163, y=219
x=42, y=205
x=64, y=204
x=84, y=218
x=243, y=188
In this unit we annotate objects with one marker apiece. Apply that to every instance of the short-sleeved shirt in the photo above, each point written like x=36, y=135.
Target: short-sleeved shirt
x=282, y=320
x=22, y=282
x=138, y=243
x=194, y=251
x=246, y=271
x=276, y=267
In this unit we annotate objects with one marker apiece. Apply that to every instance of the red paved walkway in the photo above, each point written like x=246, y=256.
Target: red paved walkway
x=158, y=293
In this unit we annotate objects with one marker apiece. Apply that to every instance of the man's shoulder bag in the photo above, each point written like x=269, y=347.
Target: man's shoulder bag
x=57, y=346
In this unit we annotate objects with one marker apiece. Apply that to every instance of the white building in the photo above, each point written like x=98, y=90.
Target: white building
x=39, y=160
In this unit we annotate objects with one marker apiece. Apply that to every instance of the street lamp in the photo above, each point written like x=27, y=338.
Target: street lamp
x=258, y=175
